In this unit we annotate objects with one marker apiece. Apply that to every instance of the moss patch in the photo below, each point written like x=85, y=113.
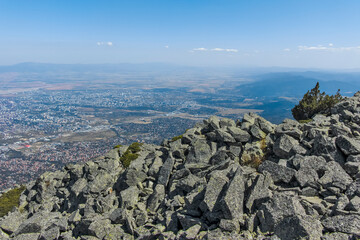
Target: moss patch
x=254, y=160
x=117, y=146
x=130, y=154
x=177, y=138
x=305, y=121
x=10, y=199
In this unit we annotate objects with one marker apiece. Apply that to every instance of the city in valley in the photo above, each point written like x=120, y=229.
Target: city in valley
x=50, y=119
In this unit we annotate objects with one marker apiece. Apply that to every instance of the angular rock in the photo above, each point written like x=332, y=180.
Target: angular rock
x=337, y=236
x=156, y=198
x=354, y=204
x=302, y=227
x=129, y=197
x=283, y=145
x=257, y=132
x=200, y=152
x=259, y=192
x=223, y=136
x=10, y=223
x=213, y=190
x=281, y=205
x=278, y=173
x=239, y=135
x=335, y=176
x=233, y=200
x=343, y=223
x=165, y=171
x=348, y=145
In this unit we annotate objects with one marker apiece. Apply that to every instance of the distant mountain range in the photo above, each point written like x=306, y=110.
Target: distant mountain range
x=294, y=85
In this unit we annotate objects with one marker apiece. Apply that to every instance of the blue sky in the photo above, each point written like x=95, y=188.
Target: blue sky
x=288, y=33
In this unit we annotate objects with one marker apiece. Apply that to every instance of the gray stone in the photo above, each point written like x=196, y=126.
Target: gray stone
x=37, y=222
x=156, y=198
x=278, y=173
x=223, y=136
x=213, y=190
x=117, y=216
x=233, y=200
x=299, y=227
x=99, y=228
x=353, y=158
x=259, y=192
x=313, y=162
x=348, y=145
x=353, y=189
x=283, y=145
x=250, y=118
x=27, y=236
x=134, y=177
x=101, y=182
x=257, y=132
x=213, y=122
x=343, y=223
x=229, y=225
x=155, y=167
x=11, y=222
x=354, y=204
x=129, y=197
x=193, y=231
x=281, y=205
x=188, y=221
x=75, y=216
x=326, y=147
x=239, y=134
x=219, y=157
x=78, y=186
x=335, y=176
x=337, y=236
x=265, y=125
x=234, y=151
x=307, y=176
x=352, y=168
x=165, y=171
x=227, y=122
x=200, y=152
x=52, y=233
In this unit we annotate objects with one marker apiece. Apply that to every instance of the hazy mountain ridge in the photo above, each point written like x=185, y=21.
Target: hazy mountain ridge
x=201, y=185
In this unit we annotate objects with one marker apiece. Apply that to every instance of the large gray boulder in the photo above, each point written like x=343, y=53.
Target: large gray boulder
x=348, y=145
x=283, y=146
x=200, y=152
x=278, y=173
x=233, y=200
x=259, y=192
x=302, y=227
x=279, y=207
x=343, y=223
x=213, y=189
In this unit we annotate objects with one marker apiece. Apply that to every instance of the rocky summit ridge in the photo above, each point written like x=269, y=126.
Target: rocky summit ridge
x=222, y=179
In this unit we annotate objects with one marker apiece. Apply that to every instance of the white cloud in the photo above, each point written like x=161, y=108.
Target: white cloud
x=166, y=46
x=215, y=49
x=330, y=47
x=110, y=44
x=200, y=49
x=224, y=50
x=286, y=49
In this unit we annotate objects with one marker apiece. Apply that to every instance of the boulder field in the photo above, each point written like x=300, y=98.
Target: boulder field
x=222, y=179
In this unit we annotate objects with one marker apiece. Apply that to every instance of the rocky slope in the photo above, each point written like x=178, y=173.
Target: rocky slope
x=220, y=180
